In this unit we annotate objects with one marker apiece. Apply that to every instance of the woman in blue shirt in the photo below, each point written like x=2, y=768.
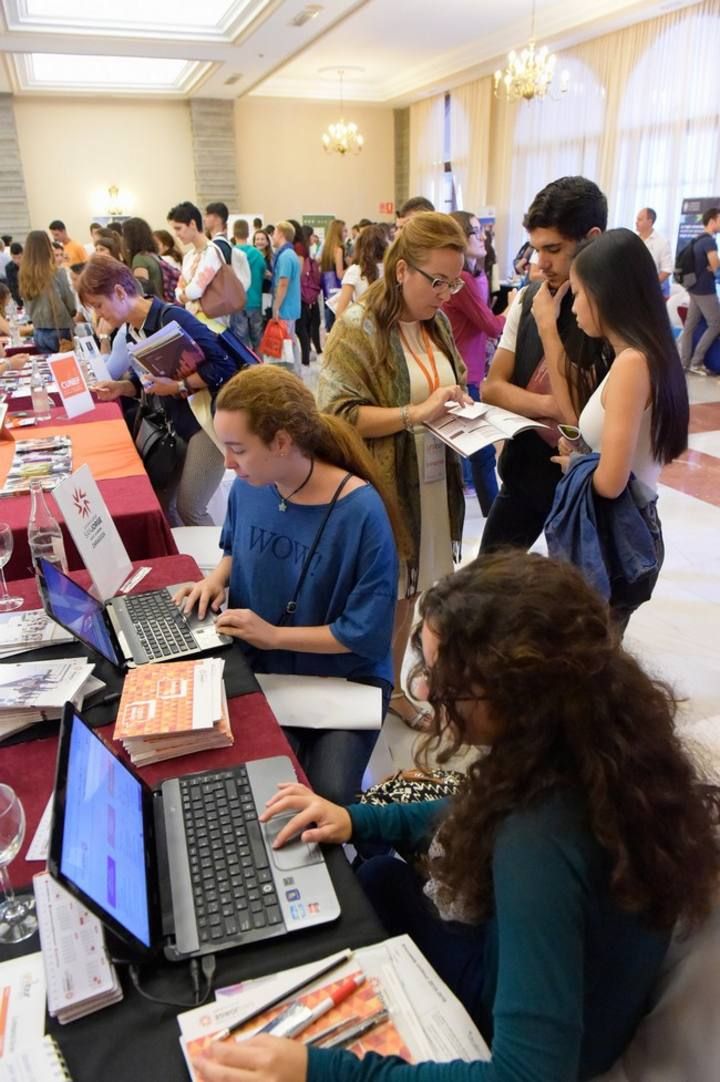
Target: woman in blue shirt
x=291, y=462
x=554, y=879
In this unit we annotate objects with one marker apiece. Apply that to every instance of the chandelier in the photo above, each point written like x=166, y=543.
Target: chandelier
x=529, y=74
x=342, y=137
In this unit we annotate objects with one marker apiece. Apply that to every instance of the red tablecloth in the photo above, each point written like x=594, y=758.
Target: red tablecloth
x=30, y=767
x=103, y=440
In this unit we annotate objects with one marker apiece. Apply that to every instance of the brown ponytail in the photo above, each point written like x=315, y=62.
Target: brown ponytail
x=274, y=398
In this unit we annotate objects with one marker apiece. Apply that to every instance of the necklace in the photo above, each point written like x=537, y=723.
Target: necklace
x=284, y=500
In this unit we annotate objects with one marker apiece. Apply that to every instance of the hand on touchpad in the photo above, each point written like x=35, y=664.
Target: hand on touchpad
x=295, y=853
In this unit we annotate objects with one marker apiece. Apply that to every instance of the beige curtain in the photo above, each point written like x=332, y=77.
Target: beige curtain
x=470, y=115
x=427, y=157
x=640, y=118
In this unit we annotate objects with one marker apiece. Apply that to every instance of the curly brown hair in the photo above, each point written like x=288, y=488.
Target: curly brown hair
x=574, y=711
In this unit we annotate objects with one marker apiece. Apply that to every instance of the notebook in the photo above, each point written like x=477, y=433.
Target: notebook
x=130, y=630
x=41, y=1062
x=187, y=869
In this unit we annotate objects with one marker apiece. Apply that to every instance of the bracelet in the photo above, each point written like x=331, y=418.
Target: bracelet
x=405, y=418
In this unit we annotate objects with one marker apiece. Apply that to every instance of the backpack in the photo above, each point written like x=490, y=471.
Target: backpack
x=684, y=272
x=170, y=278
x=224, y=247
x=310, y=281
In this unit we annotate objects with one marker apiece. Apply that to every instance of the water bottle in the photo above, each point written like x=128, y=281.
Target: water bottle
x=12, y=318
x=39, y=394
x=44, y=533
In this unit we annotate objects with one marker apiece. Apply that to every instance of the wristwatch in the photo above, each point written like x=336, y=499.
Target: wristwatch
x=183, y=389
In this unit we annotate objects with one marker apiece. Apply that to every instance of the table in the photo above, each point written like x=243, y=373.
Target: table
x=137, y=1040
x=102, y=440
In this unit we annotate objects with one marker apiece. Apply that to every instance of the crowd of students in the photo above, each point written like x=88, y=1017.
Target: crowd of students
x=547, y=891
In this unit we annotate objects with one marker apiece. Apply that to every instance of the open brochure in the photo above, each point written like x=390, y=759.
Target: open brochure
x=427, y=1022
x=32, y=691
x=169, y=352
x=468, y=429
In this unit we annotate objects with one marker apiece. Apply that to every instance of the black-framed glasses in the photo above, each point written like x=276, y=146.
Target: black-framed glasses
x=439, y=284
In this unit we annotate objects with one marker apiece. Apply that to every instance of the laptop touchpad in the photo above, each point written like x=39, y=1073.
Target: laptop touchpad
x=295, y=853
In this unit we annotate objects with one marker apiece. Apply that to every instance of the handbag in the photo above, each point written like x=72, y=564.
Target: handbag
x=291, y=607
x=65, y=345
x=413, y=786
x=224, y=294
x=159, y=446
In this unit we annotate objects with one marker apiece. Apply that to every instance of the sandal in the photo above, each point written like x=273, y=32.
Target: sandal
x=419, y=722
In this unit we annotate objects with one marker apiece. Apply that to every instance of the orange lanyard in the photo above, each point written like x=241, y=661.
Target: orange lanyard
x=433, y=381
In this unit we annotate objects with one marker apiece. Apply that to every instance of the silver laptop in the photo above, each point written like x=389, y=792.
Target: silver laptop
x=186, y=869
x=131, y=630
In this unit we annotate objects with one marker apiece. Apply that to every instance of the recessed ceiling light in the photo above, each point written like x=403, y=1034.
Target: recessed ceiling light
x=311, y=11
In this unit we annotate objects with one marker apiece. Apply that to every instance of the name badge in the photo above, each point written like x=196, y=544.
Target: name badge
x=434, y=459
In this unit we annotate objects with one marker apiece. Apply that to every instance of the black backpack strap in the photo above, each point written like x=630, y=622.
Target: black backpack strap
x=224, y=247
x=291, y=606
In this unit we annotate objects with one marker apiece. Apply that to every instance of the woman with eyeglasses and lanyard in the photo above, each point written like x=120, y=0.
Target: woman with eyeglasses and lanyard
x=390, y=364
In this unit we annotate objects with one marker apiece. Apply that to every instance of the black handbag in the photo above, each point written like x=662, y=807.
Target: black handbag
x=159, y=446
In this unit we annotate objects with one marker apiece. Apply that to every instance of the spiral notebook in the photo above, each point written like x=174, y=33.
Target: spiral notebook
x=41, y=1062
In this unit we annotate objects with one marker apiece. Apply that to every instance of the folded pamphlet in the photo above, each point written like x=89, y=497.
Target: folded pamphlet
x=29, y=630
x=49, y=458
x=469, y=428
x=32, y=691
x=169, y=352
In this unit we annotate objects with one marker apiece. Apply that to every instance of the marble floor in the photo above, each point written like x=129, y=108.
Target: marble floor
x=677, y=633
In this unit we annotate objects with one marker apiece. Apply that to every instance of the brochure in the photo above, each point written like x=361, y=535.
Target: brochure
x=468, y=429
x=48, y=457
x=170, y=352
x=29, y=630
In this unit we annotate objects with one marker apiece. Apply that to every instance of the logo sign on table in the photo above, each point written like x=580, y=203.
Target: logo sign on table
x=93, y=531
x=93, y=357
x=71, y=384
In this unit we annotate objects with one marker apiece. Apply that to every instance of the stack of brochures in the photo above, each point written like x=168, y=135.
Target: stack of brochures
x=173, y=709
x=469, y=428
x=170, y=352
x=80, y=977
x=29, y=630
x=32, y=691
x=48, y=457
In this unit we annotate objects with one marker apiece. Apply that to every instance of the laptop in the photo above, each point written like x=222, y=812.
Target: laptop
x=127, y=631
x=185, y=869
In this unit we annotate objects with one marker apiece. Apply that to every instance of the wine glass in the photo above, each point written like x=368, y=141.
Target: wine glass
x=17, y=917
x=7, y=602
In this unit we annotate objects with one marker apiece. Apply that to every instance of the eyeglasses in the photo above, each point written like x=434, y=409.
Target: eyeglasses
x=439, y=284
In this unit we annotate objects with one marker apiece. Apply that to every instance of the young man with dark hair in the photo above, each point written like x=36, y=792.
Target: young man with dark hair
x=74, y=250
x=417, y=204
x=704, y=302
x=13, y=270
x=216, y=220
x=541, y=325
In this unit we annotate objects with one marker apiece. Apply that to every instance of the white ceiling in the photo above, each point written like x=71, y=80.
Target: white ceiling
x=393, y=51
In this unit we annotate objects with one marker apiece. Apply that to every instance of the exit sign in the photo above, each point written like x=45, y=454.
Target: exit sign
x=386, y=208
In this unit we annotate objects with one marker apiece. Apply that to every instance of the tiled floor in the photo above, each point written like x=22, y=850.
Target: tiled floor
x=677, y=634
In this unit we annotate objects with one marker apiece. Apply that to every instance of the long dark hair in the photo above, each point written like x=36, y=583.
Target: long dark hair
x=138, y=239
x=370, y=251
x=620, y=276
x=573, y=713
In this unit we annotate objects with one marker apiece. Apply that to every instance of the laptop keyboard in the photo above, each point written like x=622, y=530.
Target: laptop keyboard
x=160, y=626
x=233, y=887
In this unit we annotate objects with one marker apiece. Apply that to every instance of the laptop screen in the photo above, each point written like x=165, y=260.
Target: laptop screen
x=78, y=611
x=103, y=842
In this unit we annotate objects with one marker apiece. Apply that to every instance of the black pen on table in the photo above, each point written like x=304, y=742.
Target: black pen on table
x=113, y=697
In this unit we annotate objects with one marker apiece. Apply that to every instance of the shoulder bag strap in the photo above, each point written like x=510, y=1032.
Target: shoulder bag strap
x=291, y=606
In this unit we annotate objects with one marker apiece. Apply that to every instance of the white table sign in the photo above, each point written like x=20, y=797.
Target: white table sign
x=93, y=531
x=74, y=393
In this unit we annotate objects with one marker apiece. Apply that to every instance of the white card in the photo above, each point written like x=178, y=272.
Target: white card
x=94, y=358
x=433, y=459
x=93, y=531
x=72, y=387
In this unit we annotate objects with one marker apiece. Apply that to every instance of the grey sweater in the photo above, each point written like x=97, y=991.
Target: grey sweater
x=56, y=313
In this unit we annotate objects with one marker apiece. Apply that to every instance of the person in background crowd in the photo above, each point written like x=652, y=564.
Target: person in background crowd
x=332, y=265
x=417, y=204
x=201, y=262
x=216, y=220
x=115, y=227
x=286, y=302
x=551, y=884
x=167, y=248
x=141, y=256
x=473, y=322
x=74, y=250
x=248, y=323
x=261, y=241
x=95, y=228
x=83, y=314
x=560, y=216
x=4, y=257
x=704, y=303
x=366, y=268
x=25, y=329
x=657, y=245
x=637, y=418
x=12, y=271
x=47, y=295
x=111, y=289
x=290, y=461
x=58, y=251
x=308, y=326
x=257, y=224
x=109, y=243
x=389, y=365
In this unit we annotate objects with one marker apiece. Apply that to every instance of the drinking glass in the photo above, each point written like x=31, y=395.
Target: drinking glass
x=7, y=602
x=17, y=916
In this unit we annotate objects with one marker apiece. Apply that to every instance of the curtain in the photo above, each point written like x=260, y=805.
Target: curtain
x=470, y=113
x=427, y=157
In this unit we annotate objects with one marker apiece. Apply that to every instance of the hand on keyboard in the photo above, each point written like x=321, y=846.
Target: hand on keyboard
x=247, y=625
x=206, y=594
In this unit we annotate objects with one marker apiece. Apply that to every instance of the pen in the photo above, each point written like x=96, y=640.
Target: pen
x=350, y=1036
x=249, y=1015
x=298, y=1017
x=111, y=698
x=330, y=1031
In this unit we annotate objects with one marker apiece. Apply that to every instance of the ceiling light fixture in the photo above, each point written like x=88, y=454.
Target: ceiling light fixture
x=529, y=74
x=341, y=137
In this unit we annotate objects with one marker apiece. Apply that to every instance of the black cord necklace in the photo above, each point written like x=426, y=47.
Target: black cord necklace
x=284, y=500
